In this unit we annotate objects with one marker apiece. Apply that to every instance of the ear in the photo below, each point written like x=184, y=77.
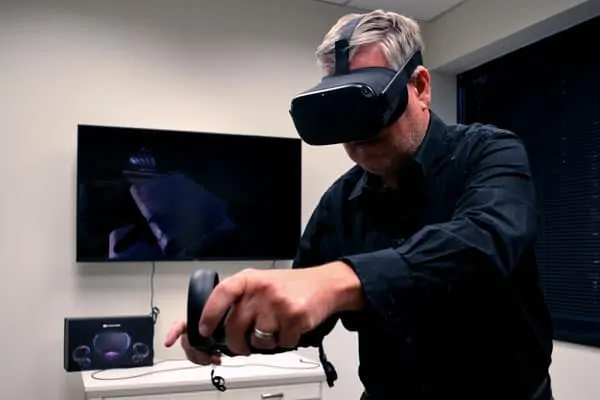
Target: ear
x=421, y=81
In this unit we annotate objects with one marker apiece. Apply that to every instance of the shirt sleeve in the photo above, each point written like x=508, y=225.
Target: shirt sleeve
x=494, y=222
x=309, y=255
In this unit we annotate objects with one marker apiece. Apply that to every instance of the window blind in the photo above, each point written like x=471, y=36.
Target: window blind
x=546, y=94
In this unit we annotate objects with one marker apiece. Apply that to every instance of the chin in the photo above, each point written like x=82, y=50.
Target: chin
x=374, y=168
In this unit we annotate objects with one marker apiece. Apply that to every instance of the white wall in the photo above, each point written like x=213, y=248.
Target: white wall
x=443, y=96
x=478, y=31
x=227, y=66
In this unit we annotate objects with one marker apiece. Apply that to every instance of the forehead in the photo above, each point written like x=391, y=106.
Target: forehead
x=370, y=55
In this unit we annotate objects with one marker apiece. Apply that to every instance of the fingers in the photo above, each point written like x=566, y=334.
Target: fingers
x=178, y=331
x=220, y=301
x=289, y=337
x=175, y=332
x=265, y=323
x=255, y=300
x=239, y=321
x=198, y=357
x=292, y=327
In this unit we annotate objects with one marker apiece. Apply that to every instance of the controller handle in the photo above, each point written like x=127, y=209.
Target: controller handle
x=202, y=282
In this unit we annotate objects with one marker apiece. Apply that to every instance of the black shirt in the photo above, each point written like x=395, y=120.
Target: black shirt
x=447, y=267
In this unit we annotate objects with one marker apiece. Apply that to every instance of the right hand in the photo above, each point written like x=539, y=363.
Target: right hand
x=178, y=330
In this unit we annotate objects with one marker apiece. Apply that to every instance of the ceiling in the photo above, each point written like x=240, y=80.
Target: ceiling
x=421, y=10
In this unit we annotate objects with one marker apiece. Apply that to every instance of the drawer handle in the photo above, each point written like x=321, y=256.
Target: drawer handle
x=267, y=396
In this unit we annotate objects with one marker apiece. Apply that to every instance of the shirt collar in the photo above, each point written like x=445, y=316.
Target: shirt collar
x=425, y=157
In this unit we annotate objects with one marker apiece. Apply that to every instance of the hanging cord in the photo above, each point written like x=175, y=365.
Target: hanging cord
x=217, y=381
x=328, y=368
x=154, y=311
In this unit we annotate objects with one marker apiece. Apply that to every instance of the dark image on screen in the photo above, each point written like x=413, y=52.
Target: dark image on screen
x=151, y=195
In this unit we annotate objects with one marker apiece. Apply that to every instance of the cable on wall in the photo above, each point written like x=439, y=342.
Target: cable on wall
x=154, y=310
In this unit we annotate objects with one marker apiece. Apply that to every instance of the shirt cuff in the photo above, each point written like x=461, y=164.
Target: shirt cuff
x=386, y=281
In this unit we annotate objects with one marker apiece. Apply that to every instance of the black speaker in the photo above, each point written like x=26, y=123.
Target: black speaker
x=108, y=342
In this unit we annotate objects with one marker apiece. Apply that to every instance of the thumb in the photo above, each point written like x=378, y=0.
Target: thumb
x=175, y=332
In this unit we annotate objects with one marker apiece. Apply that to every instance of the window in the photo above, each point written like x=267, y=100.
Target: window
x=549, y=94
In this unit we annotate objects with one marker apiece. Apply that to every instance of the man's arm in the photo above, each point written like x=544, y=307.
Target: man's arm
x=493, y=223
x=310, y=255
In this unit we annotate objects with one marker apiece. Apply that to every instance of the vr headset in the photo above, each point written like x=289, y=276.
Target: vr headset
x=352, y=105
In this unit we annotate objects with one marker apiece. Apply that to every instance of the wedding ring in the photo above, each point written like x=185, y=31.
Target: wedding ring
x=262, y=335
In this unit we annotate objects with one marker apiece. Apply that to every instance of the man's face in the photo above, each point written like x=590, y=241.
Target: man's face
x=396, y=143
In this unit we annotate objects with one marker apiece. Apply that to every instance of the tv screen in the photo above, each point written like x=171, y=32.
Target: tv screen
x=152, y=195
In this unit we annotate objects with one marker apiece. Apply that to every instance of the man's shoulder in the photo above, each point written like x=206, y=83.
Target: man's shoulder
x=476, y=132
x=467, y=139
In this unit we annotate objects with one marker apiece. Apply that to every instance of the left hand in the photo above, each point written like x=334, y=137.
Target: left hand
x=284, y=303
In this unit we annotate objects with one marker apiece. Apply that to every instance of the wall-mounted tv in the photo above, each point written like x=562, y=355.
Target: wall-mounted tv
x=158, y=195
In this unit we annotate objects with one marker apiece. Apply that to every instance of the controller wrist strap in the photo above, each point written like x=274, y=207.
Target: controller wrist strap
x=330, y=372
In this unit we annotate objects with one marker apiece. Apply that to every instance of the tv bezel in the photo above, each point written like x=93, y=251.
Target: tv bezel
x=80, y=260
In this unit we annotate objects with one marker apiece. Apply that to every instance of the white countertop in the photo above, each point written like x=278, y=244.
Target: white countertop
x=176, y=376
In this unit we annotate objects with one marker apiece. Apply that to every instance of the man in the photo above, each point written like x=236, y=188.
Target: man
x=425, y=248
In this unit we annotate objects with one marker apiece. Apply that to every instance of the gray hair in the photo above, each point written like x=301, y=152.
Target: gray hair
x=398, y=36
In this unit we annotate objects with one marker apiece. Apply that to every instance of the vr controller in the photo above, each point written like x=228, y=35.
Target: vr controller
x=201, y=285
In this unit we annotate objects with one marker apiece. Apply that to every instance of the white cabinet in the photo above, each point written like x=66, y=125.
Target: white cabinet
x=285, y=376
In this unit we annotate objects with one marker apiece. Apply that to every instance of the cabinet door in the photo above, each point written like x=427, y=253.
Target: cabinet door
x=173, y=396
x=149, y=397
x=308, y=391
x=212, y=395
